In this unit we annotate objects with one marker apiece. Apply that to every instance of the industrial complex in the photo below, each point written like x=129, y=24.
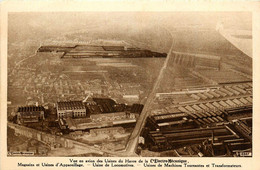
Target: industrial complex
x=202, y=116
x=205, y=114
x=160, y=87
x=92, y=51
x=92, y=121
x=217, y=123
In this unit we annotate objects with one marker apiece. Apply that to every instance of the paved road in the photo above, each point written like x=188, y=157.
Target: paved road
x=133, y=140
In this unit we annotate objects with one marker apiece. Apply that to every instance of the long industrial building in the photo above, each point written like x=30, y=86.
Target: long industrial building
x=96, y=51
x=71, y=109
x=196, y=60
x=97, y=121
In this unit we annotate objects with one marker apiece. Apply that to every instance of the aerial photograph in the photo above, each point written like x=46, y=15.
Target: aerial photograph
x=129, y=84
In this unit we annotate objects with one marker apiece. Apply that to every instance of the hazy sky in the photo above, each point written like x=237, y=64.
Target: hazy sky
x=78, y=20
x=41, y=26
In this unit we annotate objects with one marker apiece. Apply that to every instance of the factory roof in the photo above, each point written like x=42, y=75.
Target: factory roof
x=70, y=105
x=30, y=108
x=168, y=116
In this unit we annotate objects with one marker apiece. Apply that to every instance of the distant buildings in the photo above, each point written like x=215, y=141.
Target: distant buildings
x=207, y=61
x=54, y=49
x=71, y=109
x=29, y=114
x=197, y=60
x=98, y=51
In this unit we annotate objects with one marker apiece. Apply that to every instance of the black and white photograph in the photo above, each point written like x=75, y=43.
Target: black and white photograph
x=129, y=84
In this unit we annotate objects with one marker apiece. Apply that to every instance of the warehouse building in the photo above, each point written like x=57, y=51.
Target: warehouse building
x=99, y=121
x=72, y=109
x=97, y=51
x=29, y=114
x=165, y=140
x=197, y=60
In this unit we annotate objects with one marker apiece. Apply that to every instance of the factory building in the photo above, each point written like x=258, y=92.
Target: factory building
x=29, y=114
x=168, y=121
x=98, y=121
x=163, y=140
x=106, y=104
x=71, y=109
x=197, y=60
x=96, y=51
x=137, y=108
